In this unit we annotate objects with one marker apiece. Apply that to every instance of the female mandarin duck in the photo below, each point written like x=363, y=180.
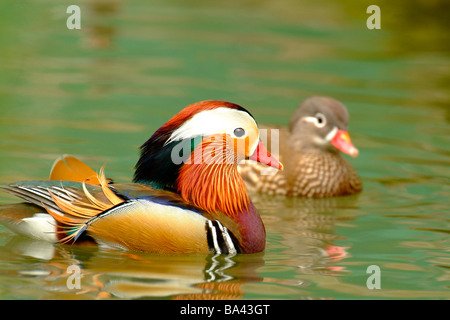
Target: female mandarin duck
x=187, y=195
x=310, y=150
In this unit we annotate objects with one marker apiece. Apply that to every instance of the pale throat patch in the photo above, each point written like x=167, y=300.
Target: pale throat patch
x=331, y=134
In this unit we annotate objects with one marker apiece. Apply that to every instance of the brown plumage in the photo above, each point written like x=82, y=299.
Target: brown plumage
x=313, y=164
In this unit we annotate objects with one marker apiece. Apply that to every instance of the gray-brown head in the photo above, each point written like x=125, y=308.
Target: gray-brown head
x=322, y=122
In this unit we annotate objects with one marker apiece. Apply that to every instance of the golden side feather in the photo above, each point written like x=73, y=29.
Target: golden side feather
x=142, y=225
x=77, y=211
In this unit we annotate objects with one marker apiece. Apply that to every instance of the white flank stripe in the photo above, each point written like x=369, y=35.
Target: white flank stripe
x=226, y=236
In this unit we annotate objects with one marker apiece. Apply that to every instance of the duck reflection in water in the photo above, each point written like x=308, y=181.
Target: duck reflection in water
x=110, y=274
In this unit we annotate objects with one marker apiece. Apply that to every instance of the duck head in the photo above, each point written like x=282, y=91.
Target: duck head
x=321, y=123
x=196, y=154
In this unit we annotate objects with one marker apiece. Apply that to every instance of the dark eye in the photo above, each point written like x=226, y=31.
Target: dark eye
x=239, y=132
x=321, y=120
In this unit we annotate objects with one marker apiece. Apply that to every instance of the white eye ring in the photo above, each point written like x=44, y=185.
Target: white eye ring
x=318, y=120
x=321, y=121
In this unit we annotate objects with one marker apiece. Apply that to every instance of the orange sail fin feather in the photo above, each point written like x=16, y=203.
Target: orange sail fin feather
x=77, y=211
x=69, y=168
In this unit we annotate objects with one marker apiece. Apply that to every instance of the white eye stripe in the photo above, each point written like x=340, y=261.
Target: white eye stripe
x=217, y=121
x=209, y=122
x=319, y=120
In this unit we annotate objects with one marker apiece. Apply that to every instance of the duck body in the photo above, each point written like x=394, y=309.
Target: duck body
x=310, y=150
x=188, y=206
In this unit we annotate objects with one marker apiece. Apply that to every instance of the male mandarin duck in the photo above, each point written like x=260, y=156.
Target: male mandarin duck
x=187, y=195
x=310, y=151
